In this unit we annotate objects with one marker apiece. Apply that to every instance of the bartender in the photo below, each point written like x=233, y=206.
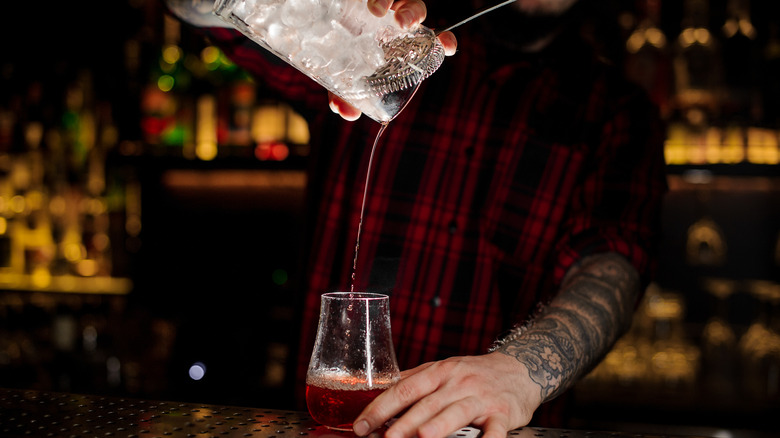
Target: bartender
x=512, y=214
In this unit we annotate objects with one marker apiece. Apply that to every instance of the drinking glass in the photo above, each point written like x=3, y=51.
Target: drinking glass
x=353, y=359
x=369, y=61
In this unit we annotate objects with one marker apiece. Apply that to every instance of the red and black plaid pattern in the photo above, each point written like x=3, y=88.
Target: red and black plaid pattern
x=498, y=176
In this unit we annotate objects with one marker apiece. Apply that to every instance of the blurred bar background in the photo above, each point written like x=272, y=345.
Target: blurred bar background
x=152, y=215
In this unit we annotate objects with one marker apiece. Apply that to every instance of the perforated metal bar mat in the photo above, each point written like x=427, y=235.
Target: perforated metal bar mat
x=49, y=414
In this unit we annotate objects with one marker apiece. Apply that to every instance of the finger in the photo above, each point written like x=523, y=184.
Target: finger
x=415, y=370
x=379, y=7
x=449, y=42
x=432, y=417
x=342, y=108
x=398, y=397
x=409, y=13
x=494, y=427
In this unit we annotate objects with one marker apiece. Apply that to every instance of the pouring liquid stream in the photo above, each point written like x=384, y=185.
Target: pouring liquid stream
x=382, y=128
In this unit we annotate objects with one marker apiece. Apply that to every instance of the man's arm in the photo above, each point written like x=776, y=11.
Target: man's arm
x=592, y=309
x=500, y=391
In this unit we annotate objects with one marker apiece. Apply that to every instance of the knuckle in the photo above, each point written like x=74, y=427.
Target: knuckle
x=430, y=404
x=471, y=407
x=405, y=392
x=450, y=364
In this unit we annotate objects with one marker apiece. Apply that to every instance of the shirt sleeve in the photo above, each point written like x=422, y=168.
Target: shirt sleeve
x=617, y=206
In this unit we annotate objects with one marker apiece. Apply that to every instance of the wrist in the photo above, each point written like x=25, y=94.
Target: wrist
x=528, y=392
x=549, y=357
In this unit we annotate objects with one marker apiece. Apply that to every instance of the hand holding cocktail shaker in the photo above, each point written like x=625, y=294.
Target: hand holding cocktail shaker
x=370, y=62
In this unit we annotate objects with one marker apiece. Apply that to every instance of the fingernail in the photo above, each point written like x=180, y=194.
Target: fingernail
x=405, y=18
x=379, y=7
x=361, y=428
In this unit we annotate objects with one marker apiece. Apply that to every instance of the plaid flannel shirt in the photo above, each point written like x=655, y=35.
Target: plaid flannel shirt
x=497, y=177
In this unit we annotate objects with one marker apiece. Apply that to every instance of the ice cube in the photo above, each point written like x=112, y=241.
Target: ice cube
x=336, y=41
x=388, y=33
x=371, y=52
x=261, y=17
x=351, y=15
x=283, y=39
x=311, y=60
x=243, y=9
x=318, y=30
x=351, y=24
x=342, y=65
x=346, y=71
x=330, y=45
x=302, y=13
x=246, y=8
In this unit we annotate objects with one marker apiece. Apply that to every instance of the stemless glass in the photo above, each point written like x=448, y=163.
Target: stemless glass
x=353, y=359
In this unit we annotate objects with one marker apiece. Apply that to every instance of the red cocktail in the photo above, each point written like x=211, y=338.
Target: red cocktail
x=336, y=403
x=353, y=359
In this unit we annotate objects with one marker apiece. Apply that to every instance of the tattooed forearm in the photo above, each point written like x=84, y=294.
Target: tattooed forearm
x=592, y=309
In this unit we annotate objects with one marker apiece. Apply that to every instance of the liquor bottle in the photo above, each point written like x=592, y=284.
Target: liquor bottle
x=706, y=243
x=28, y=222
x=94, y=221
x=206, y=142
x=697, y=68
x=759, y=345
x=719, y=341
x=95, y=216
x=242, y=102
x=78, y=124
x=740, y=65
x=225, y=97
x=237, y=101
x=38, y=242
x=647, y=61
x=166, y=118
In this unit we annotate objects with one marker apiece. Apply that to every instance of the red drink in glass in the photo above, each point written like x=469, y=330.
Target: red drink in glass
x=353, y=360
x=336, y=402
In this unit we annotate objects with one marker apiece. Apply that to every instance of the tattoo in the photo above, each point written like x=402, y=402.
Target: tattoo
x=572, y=333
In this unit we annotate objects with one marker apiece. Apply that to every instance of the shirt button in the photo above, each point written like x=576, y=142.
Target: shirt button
x=436, y=301
x=453, y=226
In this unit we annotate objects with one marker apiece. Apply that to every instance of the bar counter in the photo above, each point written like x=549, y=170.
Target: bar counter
x=52, y=414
